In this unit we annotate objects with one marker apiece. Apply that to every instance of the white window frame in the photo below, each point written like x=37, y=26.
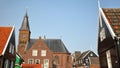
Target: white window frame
x=34, y=52
x=30, y=62
x=43, y=52
x=46, y=63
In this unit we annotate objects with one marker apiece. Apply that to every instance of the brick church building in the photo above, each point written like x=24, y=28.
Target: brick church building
x=50, y=53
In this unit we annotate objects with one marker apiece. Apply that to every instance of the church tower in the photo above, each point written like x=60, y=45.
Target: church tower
x=24, y=34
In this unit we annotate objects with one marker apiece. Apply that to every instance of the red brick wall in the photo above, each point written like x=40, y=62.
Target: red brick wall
x=39, y=45
x=64, y=60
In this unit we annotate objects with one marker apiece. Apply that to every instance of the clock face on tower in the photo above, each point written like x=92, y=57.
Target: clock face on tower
x=24, y=36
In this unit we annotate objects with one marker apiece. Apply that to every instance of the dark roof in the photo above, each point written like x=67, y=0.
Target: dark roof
x=25, y=23
x=113, y=17
x=56, y=45
x=30, y=43
x=86, y=53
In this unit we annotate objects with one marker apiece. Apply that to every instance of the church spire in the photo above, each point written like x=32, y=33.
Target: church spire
x=25, y=23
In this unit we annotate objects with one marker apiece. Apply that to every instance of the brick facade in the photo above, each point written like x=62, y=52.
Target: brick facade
x=50, y=53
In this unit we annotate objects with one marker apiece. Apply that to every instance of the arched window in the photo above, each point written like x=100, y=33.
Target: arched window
x=56, y=60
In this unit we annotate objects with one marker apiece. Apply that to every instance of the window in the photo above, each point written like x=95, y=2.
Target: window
x=13, y=49
x=43, y=52
x=34, y=53
x=11, y=64
x=46, y=63
x=102, y=34
x=109, y=61
x=6, y=64
x=37, y=61
x=91, y=54
x=10, y=48
x=56, y=60
x=30, y=61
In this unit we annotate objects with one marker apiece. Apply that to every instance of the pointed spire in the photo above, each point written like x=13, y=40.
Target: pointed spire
x=25, y=23
x=26, y=13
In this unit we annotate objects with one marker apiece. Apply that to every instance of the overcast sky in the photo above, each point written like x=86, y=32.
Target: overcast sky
x=73, y=21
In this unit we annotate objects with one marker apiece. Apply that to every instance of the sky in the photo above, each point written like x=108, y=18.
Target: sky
x=75, y=22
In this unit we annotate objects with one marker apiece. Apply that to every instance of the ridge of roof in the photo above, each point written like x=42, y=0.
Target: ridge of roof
x=107, y=23
x=112, y=15
x=55, y=45
x=84, y=54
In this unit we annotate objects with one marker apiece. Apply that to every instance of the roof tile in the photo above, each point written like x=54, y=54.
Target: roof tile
x=4, y=35
x=113, y=17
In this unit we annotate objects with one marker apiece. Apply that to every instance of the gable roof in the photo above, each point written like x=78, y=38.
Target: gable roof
x=5, y=34
x=55, y=45
x=113, y=17
x=103, y=20
x=84, y=54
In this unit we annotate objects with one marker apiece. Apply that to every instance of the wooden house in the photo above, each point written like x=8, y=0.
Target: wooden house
x=7, y=47
x=87, y=59
x=109, y=37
